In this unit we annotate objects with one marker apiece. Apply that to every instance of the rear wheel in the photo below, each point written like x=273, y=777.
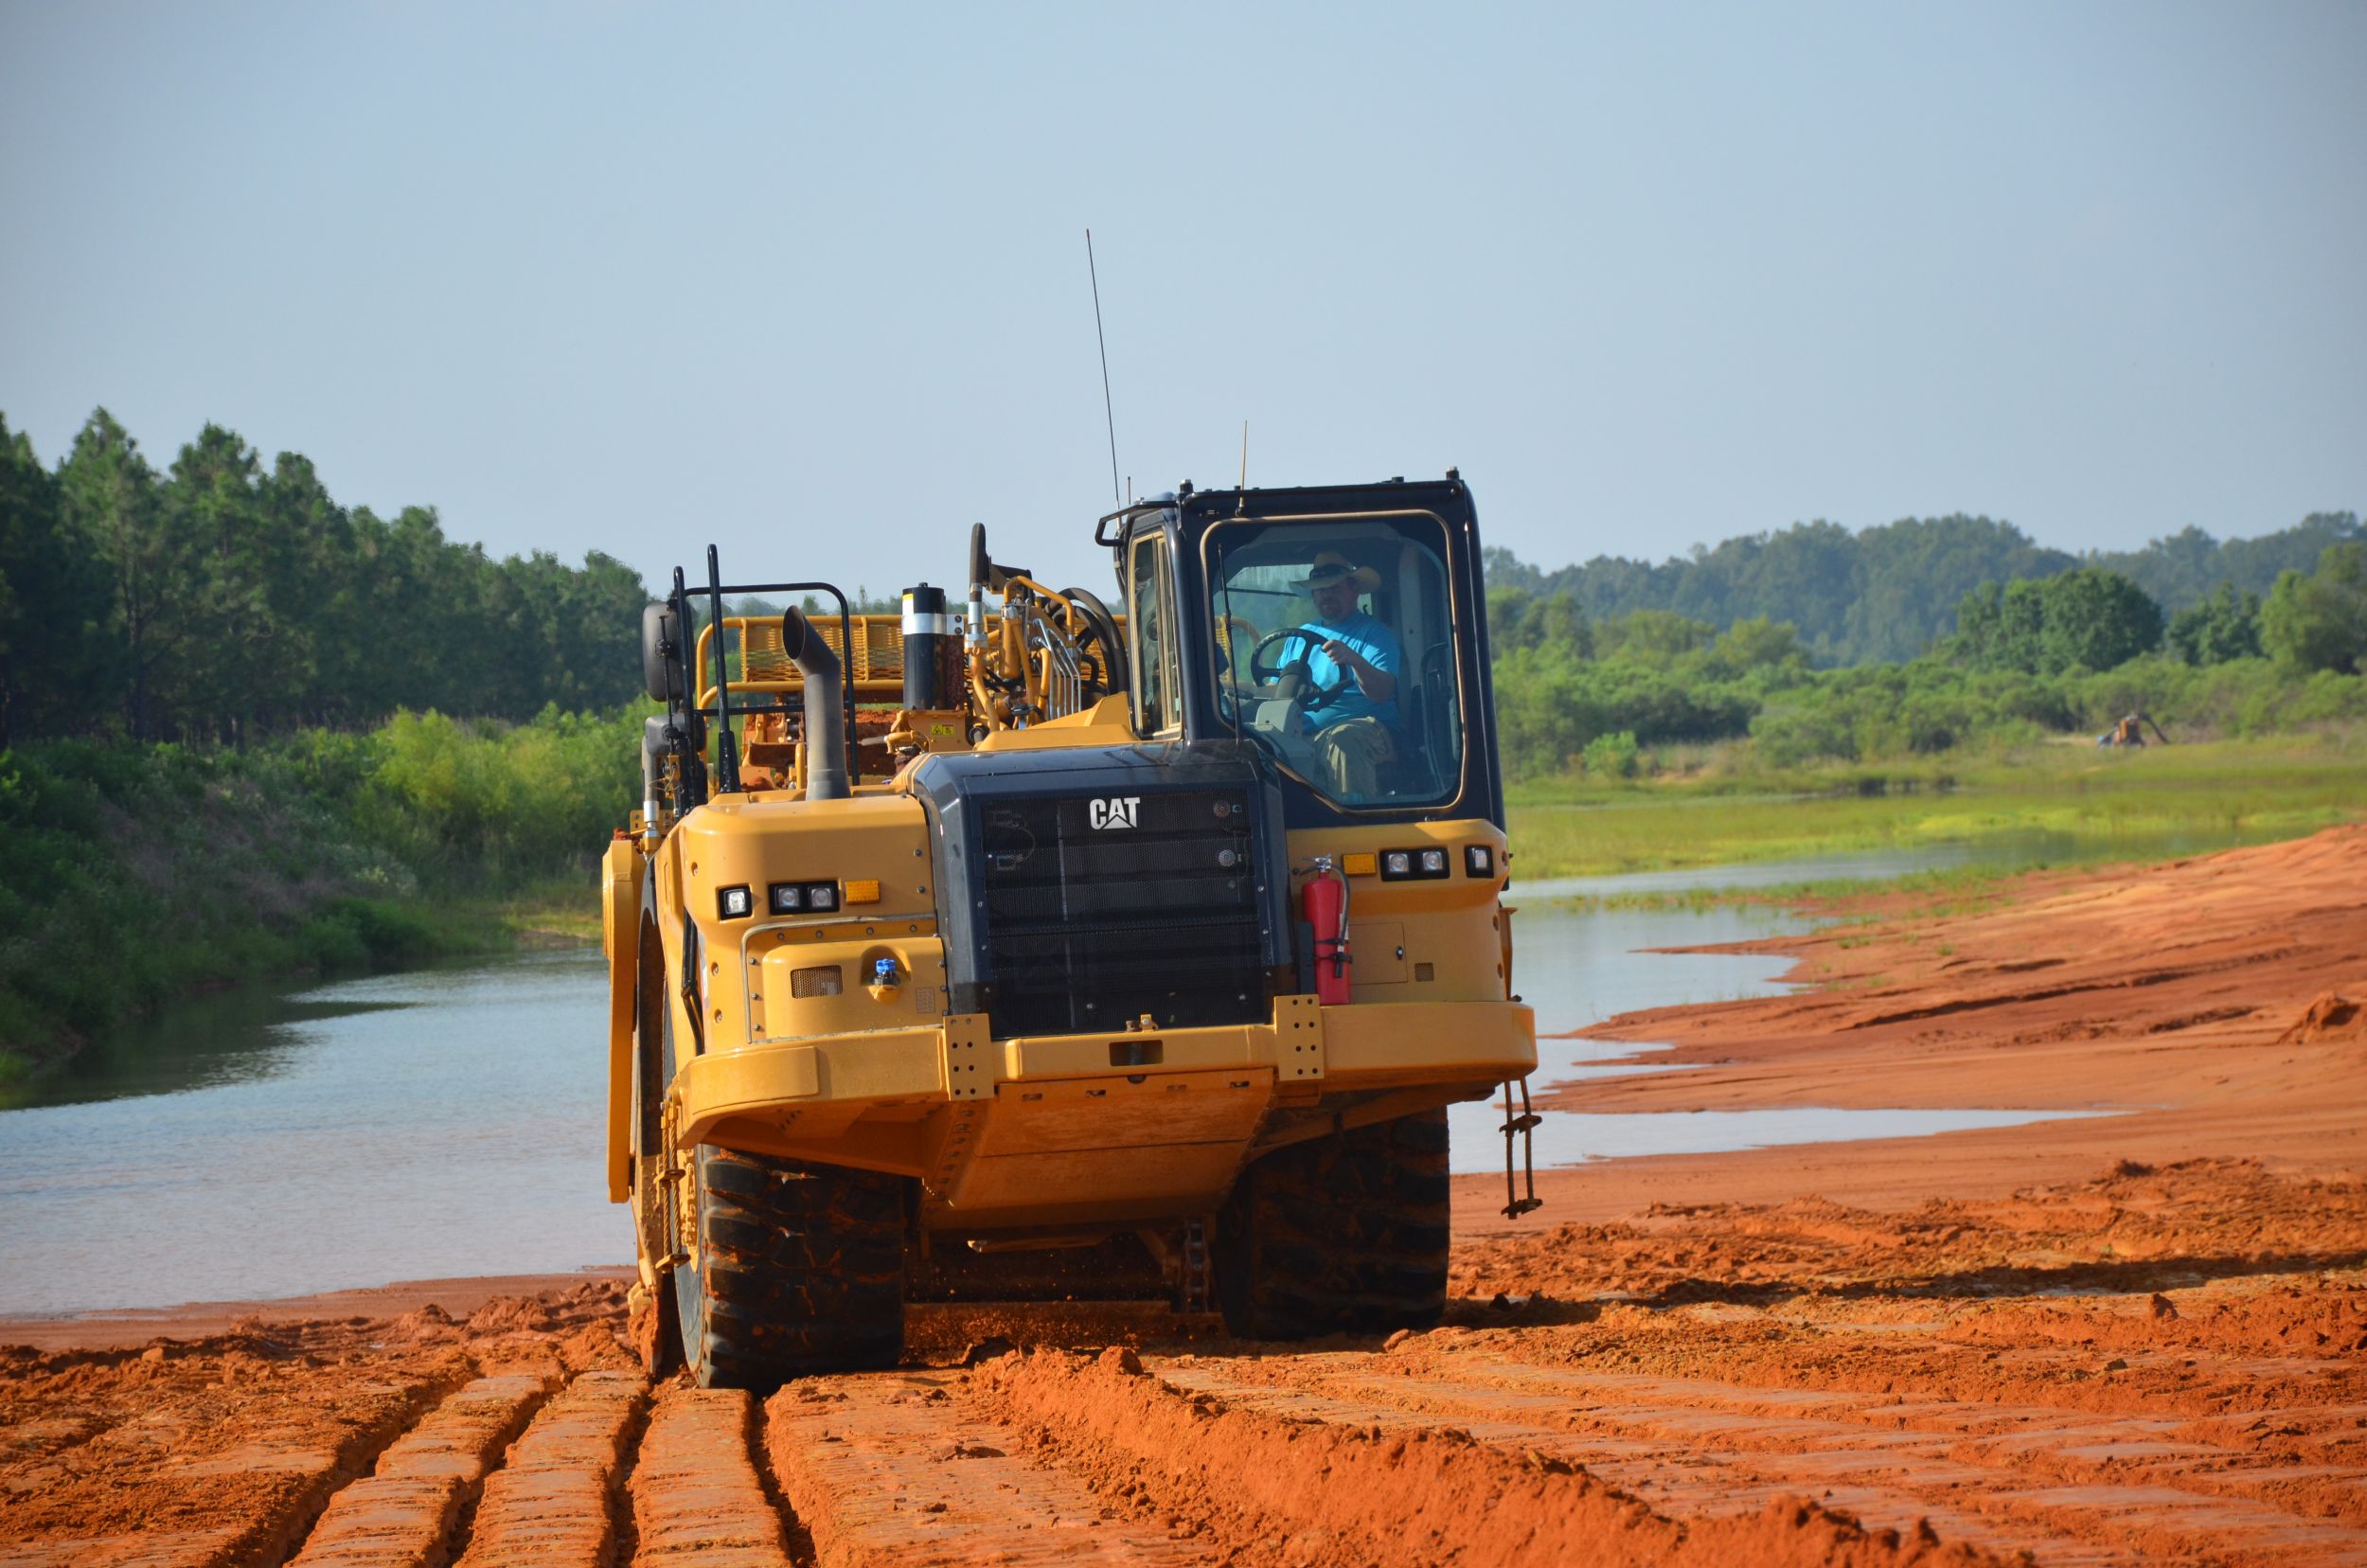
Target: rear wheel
x=1344, y=1233
x=797, y=1268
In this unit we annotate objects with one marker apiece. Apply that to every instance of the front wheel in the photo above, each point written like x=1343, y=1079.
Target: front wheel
x=1342, y=1234
x=796, y=1268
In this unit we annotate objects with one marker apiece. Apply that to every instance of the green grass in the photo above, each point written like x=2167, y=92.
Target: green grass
x=557, y=910
x=2087, y=804
x=1948, y=890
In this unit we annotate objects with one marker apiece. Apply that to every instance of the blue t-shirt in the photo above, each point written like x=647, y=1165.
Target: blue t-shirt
x=1372, y=641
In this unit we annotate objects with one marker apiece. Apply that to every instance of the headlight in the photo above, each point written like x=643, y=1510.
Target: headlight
x=1413, y=865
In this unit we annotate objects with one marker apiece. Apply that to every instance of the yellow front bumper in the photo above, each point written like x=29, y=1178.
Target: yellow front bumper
x=1088, y=1127
x=1305, y=1048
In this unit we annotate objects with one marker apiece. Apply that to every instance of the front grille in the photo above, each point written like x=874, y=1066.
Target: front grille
x=1087, y=927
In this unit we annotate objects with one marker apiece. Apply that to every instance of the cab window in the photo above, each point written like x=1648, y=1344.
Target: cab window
x=1150, y=630
x=1335, y=650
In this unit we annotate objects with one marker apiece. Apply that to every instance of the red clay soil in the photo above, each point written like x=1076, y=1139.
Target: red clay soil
x=2149, y=1346
x=2219, y=1005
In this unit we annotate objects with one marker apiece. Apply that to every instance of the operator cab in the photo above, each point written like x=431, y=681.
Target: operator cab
x=1340, y=629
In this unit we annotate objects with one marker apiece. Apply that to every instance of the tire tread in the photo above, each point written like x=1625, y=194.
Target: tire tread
x=801, y=1271
x=1346, y=1233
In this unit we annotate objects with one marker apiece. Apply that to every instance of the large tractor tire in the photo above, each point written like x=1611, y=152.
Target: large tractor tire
x=797, y=1268
x=656, y=1333
x=1342, y=1234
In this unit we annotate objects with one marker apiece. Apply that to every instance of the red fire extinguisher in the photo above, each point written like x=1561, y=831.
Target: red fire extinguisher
x=1324, y=902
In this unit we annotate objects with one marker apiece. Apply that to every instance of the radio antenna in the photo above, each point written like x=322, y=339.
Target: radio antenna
x=1109, y=411
x=1245, y=454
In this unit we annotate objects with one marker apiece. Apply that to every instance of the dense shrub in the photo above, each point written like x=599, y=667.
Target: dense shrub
x=2320, y=621
x=135, y=873
x=1613, y=756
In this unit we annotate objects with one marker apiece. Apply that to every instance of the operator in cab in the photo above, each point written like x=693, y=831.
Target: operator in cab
x=1356, y=657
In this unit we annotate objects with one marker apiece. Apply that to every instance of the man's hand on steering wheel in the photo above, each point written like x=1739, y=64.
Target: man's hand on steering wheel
x=1313, y=695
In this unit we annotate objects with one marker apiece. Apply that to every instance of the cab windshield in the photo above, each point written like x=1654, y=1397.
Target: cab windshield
x=1335, y=649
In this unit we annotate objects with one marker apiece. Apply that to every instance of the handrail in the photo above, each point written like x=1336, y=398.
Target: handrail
x=720, y=694
x=1127, y=513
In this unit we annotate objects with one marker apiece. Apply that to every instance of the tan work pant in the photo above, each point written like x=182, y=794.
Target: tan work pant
x=1352, y=752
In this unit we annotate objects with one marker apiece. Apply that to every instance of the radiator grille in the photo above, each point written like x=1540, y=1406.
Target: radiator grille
x=1154, y=911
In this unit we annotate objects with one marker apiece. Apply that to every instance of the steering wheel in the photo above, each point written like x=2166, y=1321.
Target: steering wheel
x=1315, y=695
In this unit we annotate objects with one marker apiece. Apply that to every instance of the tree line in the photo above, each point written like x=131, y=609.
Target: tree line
x=1891, y=593
x=222, y=599
x=2069, y=651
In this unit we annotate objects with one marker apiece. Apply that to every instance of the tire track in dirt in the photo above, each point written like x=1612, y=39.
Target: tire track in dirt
x=1675, y=1471
x=405, y=1510
x=1285, y=1483
x=228, y=1479
x=888, y=1469
x=698, y=1500
x=326, y=1443
x=2068, y=1485
x=554, y=1503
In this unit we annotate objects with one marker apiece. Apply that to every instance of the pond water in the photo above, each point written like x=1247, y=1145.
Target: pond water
x=450, y=1122
x=413, y=1126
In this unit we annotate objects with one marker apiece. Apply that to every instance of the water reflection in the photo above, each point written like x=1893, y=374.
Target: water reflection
x=412, y=1126
x=1578, y=968
x=233, y=1037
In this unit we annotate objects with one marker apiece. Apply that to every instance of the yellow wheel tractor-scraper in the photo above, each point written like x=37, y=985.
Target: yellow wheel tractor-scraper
x=1035, y=946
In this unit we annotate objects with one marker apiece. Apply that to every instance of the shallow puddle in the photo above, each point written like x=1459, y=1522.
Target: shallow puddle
x=1581, y=965
x=1571, y=1137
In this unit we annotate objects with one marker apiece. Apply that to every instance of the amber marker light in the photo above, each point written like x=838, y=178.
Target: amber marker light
x=864, y=891
x=1361, y=865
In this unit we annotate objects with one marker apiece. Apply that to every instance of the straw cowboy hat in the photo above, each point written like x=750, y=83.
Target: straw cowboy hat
x=1332, y=566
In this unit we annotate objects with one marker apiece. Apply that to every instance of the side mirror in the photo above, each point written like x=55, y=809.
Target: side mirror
x=662, y=675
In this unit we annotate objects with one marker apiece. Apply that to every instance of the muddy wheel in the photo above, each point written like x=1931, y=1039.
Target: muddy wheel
x=1341, y=1233
x=651, y=1324
x=798, y=1269
x=653, y=1328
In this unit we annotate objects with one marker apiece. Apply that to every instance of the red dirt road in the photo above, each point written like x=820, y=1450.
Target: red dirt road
x=2148, y=1346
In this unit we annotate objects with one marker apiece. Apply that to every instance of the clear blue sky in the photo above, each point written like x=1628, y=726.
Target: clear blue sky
x=812, y=283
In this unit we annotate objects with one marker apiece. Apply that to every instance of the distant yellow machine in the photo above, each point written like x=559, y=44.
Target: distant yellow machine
x=2129, y=730
x=1022, y=947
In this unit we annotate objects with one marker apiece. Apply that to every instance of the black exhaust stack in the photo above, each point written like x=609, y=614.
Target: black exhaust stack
x=933, y=650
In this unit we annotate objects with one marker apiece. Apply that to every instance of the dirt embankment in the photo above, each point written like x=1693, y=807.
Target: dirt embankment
x=2150, y=1359
x=2217, y=1005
